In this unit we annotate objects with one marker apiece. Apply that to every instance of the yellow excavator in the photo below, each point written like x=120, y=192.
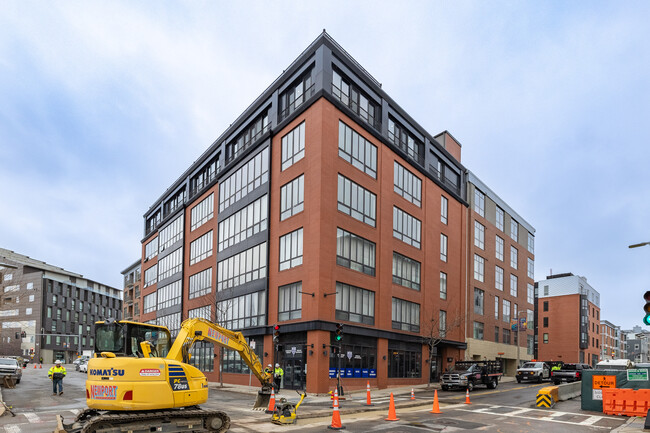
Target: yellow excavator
x=139, y=382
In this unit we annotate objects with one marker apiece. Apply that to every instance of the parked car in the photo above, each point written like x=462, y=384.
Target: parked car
x=9, y=368
x=570, y=372
x=534, y=371
x=468, y=374
x=77, y=362
x=22, y=361
x=83, y=366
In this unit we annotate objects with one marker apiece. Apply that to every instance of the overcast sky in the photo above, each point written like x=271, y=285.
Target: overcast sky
x=104, y=104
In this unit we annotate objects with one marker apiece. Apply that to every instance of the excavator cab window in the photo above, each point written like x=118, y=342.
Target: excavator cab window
x=124, y=339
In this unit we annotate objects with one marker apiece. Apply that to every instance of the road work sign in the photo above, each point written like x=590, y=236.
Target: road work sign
x=600, y=382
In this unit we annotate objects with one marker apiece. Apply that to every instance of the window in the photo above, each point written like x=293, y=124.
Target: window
x=545, y=306
x=170, y=264
x=496, y=334
x=479, y=235
x=171, y=321
x=403, y=139
x=443, y=247
x=505, y=311
x=171, y=234
x=530, y=318
x=479, y=202
x=204, y=312
x=530, y=291
x=406, y=227
x=407, y=184
x=478, y=301
x=355, y=304
x=242, y=182
x=356, y=201
x=153, y=221
x=357, y=150
x=151, y=275
x=406, y=271
x=406, y=315
x=243, y=311
x=232, y=362
x=30, y=286
x=248, y=136
x=349, y=94
x=296, y=94
x=442, y=324
x=31, y=298
x=201, y=248
x=478, y=330
x=545, y=322
x=531, y=243
x=150, y=303
x=200, y=283
x=291, y=250
x=496, y=309
x=514, y=229
x=202, y=212
x=242, y=268
x=28, y=311
x=151, y=249
x=500, y=216
x=498, y=278
x=506, y=336
x=513, y=257
x=205, y=175
x=169, y=295
x=444, y=209
x=290, y=301
x=355, y=252
x=292, y=198
x=545, y=339
x=531, y=269
x=293, y=146
x=479, y=268
x=243, y=224
x=443, y=285
x=174, y=202
x=513, y=285
x=404, y=360
x=499, y=248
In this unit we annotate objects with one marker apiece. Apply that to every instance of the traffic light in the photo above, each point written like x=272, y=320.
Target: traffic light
x=339, y=332
x=276, y=333
x=23, y=334
x=646, y=308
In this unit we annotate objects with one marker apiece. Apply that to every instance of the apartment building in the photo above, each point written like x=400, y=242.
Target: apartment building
x=323, y=204
x=568, y=314
x=501, y=247
x=613, y=343
x=132, y=283
x=52, y=311
x=638, y=348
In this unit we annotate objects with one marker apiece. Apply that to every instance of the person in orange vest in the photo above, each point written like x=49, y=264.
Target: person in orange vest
x=56, y=374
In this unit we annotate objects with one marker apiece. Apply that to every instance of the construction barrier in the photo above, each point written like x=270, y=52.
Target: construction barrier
x=628, y=402
x=547, y=397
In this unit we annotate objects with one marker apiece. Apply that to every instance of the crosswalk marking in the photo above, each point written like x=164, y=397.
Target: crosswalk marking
x=12, y=428
x=32, y=417
x=591, y=420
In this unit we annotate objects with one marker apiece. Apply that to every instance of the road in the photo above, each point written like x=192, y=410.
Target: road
x=509, y=408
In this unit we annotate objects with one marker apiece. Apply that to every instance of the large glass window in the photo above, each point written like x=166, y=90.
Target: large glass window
x=242, y=268
x=244, y=223
x=169, y=295
x=171, y=322
x=479, y=268
x=242, y=182
x=170, y=264
x=248, y=136
x=479, y=296
x=151, y=249
x=499, y=217
x=206, y=174
x=478, y=330
x=407, y=184
x=498, y=278
x=505, y=311
x=442, y=323
x=443, y=285
x=530, y=289
x=514, y=229
x=444, y=209
x=357, y=201
x=513, y=257
x=202, y=354
x=479, y=202
x=513, y=285
x=355, y=252
x=355, y=304
x=202, y=212
x=150, y=276
x=357, y=150
x=531, y=243
x=443, y=247
x=406, y=227
x=364, y=354
x=406, y=315
x=297, y=93
x=201, y=248
x=403, y=139
x=243, y=311
x=292, y=197
x=531, y=268
x=200, y=283
x=290, y=301
x=496, y=310
x=479, y=235
x=171, y=234
x=232, y=362
x=404, y=360
x=293, y=146
x=499, y=248
x=406, y=271
x=291, y=250
x=349, y=94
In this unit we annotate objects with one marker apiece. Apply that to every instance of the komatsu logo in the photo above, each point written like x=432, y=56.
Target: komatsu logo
x=218, y=336
x=103, y=392
x=106, y=372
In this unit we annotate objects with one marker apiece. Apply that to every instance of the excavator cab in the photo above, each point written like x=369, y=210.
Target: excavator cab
x=124, y=338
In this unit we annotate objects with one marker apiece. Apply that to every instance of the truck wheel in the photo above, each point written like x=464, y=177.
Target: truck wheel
x=539, y=379
x=444, y=388
x=17, y=381
x=518, y=380
x=493, y=384
x=557, y=382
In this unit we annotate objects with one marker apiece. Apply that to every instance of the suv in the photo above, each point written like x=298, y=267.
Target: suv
x=571, y=372
x=9, y=368
x=536, y=371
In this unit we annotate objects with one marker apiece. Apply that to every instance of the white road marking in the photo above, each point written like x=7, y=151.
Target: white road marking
x=12, y=428
x=591, y=420
x=32, y=417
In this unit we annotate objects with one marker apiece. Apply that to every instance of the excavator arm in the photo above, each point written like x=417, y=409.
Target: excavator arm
x=198, y=329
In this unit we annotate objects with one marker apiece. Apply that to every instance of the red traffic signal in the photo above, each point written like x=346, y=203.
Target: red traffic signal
x=276, y=333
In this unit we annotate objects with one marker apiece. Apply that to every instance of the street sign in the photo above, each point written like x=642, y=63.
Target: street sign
x=349, y=354
x=293, y=350
x=637, y=374
x=600, y=382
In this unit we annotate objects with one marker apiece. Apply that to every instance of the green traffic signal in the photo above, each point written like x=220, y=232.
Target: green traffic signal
x=646, y=320
x=339, y=332
x=646, y=308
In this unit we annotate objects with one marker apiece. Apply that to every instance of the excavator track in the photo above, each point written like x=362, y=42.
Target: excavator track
x=166, y=421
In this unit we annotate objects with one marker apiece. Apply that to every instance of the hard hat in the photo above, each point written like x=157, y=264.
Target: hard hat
x=277, y=365
x=58, y=361
x=270, y=365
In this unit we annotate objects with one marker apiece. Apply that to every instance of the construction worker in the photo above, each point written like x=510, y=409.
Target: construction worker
x=269, y=370
x=56, y=374
x=556, y=367
x=277, y=377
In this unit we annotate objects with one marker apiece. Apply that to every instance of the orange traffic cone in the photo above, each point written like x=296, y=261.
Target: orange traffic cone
x=412, y=395
x=271, y=408
x=392, y=416
x=40, y=365
x=336, y=416
x=436, y=406
x=467, y=397
x=368, y=401
x=34, y=365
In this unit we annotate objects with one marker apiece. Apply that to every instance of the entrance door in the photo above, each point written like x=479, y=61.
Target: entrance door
x=295, y=366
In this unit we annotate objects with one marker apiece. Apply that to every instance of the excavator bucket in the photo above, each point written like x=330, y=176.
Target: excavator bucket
x=263, y=398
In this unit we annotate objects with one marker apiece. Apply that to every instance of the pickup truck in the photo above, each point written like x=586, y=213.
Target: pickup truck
x=533, y=371
x=570, y=372
x=468, y=374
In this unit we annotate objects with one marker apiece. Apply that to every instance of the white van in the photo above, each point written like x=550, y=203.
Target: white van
x=614, y=364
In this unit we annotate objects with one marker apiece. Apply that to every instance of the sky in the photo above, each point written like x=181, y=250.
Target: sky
x=103, y=105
